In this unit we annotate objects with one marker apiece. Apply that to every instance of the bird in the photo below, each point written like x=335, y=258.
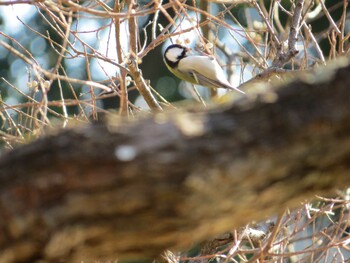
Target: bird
x=196, y=69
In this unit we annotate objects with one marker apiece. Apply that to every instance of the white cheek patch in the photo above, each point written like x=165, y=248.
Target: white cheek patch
x=173, y=54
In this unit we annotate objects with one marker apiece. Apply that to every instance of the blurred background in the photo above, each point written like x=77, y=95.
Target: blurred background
x=78, y=41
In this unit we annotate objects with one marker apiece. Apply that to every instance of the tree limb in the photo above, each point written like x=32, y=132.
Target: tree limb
x=129, y=191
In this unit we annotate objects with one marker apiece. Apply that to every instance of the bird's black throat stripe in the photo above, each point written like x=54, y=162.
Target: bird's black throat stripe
x=171, y=63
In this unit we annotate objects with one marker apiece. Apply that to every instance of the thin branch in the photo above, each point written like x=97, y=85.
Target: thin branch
x=29, y=2
x=308, y=30
x=142, y=86
x=158, y=4
x=329, y=17
x=268, y=25
x=49, y=74
x=284, y=57
x=123, y=110
x=135, y=72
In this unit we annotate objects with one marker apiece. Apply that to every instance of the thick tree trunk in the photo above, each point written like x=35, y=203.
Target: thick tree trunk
x=129, y=191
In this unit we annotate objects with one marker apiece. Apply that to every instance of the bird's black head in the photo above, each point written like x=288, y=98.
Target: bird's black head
x=174, y=53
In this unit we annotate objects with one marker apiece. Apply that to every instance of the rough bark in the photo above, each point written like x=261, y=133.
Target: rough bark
x=129, y=191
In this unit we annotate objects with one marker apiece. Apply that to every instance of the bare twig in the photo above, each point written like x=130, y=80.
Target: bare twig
x=268, y=24
x=29, y=2
x=142, y=86
x=309, y=31
x=206, y=31
x=330, y=19
x=155, y=18
x=122, y=78
x=135, y=72
x=284, y=57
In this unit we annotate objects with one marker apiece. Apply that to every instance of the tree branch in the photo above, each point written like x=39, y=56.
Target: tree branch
x=129, y=191
x=282, y=56
x=135, y=72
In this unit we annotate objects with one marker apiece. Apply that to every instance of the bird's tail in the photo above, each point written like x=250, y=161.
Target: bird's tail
x=233, y=88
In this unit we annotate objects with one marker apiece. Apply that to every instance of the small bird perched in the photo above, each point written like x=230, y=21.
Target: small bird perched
x=201, y=70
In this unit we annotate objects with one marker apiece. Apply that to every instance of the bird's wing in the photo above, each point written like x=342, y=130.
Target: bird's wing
x=206, y=71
